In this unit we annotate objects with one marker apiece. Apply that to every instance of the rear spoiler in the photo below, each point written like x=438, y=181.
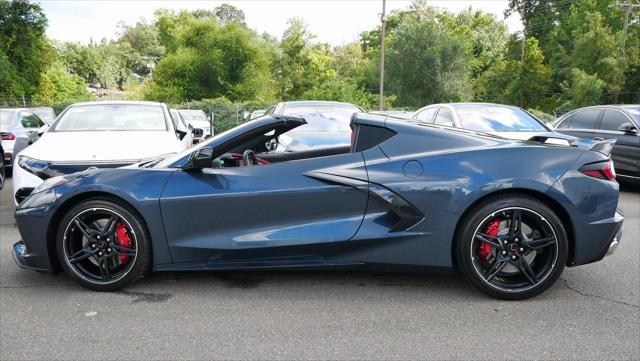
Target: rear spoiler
x=599, y=145
x=604, y=146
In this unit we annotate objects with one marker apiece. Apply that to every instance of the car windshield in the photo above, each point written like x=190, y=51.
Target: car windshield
x=112, y=117
x=193, y=115
x=634, y=110
x=323, y=118
x=6, y=116
x=497, y=119
x=45, y=114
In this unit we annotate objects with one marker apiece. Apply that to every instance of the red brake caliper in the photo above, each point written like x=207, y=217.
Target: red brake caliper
x=492, y=230
x=123, y=239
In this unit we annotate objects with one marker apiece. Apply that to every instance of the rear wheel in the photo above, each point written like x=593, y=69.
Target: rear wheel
x=512, y=247
x=103, y=245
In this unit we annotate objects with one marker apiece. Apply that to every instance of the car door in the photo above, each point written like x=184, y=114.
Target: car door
x=27, y=127
x=260, y=212
x=581, y=124
x=626, y=151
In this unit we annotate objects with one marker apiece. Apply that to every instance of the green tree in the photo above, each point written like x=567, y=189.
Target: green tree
x=292, y=67
x=207, y=60
x=229, y=14
x=582, y=89
x=517, y=83
x=427, y=64
x=58, y=86
x=486, y=37
x=24, y=49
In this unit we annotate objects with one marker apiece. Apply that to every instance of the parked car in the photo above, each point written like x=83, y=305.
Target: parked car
x=2, y=169
x=103, y=134
x=503, y=120
x=328, y=124
x=18, y=128
x=189, y=138
x=197, y=119
x=405, y=114
x=45, y=113
x=620, y=122
x=256, y=113
x=402, y=196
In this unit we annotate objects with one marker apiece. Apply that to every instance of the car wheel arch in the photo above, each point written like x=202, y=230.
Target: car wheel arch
x=67, y=205
x=560, y=211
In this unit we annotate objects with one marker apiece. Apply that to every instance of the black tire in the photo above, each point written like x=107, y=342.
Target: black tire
x=137, y=258
x=531, y=277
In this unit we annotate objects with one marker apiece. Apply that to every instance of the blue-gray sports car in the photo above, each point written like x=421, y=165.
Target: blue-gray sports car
x=404, y=196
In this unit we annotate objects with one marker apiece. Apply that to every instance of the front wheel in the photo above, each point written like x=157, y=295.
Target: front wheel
x=512, y=247
x=103, y=245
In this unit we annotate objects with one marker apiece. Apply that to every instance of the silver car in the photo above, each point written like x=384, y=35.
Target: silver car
x=503, y=120
x=18, y=128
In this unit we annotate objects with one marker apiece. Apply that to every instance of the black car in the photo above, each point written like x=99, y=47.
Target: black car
x=620, y=122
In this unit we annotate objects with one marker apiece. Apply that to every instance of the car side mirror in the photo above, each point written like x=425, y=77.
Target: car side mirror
x=197, y=132
x=628, y=128
x=201, y=158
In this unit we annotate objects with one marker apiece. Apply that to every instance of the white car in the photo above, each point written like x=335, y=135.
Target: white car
x=179, y=123
x=502, y=120
x=197, y=119
x=97, y=134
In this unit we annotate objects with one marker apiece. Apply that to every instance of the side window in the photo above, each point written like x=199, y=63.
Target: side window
x=30, y=120
x=444, y=117
x=613, y=119
x=564, y=124
x=426, y=116
x=585, y=119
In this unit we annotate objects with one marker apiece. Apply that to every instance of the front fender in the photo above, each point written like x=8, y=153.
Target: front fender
x=140, y=188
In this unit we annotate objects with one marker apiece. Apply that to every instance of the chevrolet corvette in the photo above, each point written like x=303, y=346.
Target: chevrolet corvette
x=403, y=196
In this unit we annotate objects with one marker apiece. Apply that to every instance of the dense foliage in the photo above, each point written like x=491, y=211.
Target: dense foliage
x=573, y=53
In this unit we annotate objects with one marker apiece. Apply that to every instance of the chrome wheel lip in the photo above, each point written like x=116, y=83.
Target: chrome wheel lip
x=518, y=289
x=78, y=272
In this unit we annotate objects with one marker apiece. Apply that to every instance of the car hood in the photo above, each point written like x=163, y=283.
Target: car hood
x=102, y=146
x=301, y=141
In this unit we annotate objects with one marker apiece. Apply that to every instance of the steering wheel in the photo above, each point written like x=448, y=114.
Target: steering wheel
x=249, y=157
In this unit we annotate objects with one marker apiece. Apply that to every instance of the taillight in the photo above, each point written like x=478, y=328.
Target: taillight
x=8, y=136
x=602, y=170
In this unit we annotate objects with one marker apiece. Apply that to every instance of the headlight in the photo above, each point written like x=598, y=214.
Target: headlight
x=34, y=166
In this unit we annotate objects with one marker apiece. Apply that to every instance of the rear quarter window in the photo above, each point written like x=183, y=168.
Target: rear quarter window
x=585, y=119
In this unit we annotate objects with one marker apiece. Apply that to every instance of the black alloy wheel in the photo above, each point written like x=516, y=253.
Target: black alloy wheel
x=103, y=245
x=514, y=248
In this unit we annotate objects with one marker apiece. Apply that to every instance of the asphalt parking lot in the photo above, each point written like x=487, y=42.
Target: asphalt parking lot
x=591, y=313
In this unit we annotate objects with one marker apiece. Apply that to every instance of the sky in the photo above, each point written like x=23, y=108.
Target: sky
x=332, y=21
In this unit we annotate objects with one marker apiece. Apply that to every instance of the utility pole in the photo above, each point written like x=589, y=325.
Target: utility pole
x=627, y=6
x=383, y=20
x=524, y=38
